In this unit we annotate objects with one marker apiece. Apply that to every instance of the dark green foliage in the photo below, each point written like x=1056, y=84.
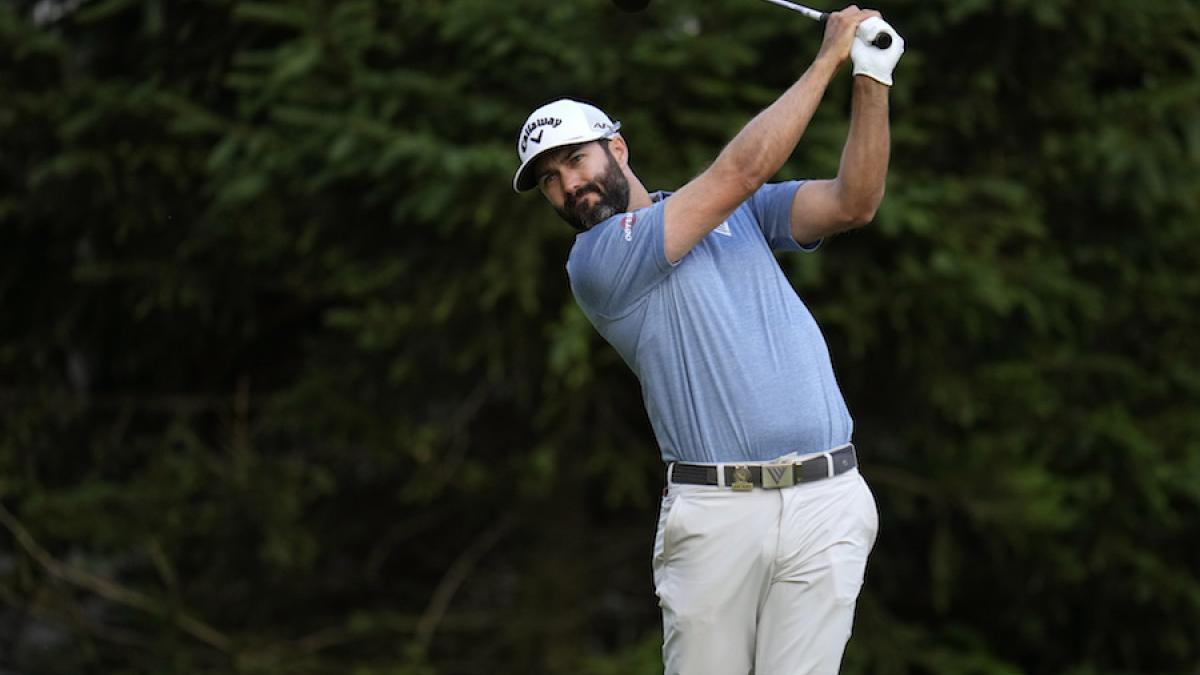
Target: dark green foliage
x=292, y=382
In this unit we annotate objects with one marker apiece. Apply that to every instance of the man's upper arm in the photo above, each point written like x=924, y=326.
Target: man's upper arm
x=817, y=211
x=771, y=207
x=697, y=208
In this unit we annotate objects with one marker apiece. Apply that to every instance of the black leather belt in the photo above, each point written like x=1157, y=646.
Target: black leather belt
x=769, y=476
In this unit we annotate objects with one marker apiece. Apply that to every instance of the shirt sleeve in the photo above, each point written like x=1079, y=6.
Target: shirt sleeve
x=772, y=208
x=614, y=264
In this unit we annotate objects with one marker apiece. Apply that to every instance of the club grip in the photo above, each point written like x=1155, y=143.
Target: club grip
x=883, y=39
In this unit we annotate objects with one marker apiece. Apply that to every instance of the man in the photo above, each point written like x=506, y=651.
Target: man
x=766, y=524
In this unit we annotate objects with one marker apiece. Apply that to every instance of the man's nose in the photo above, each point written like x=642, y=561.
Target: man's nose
x=572, y=181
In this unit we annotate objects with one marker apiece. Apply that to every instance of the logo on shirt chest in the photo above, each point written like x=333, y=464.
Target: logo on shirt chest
x=724, y=229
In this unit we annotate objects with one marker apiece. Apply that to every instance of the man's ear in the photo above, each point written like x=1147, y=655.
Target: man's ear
x=618, y=148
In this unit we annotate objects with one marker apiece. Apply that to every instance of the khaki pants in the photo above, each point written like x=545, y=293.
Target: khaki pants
x=761, y=582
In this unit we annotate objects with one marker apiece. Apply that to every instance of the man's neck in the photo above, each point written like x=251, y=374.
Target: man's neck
x=638, y=197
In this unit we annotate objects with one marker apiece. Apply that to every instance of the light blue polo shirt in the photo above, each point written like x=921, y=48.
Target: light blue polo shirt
x=732, y=365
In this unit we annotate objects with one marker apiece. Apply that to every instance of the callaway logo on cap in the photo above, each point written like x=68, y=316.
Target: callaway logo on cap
x=563, y=122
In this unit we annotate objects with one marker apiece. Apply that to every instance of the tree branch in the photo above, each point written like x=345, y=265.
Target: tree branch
x=454, y=577
x=111, y=590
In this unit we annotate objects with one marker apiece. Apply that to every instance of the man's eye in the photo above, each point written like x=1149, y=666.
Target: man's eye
x=547, y=179
x=577, y=157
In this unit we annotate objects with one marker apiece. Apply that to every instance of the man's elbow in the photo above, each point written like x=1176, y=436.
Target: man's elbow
x=861, y=211
x=859, y=215
x=738, y=181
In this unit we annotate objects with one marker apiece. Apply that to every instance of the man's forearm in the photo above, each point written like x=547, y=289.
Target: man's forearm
x=764, y=144
x=862, y=174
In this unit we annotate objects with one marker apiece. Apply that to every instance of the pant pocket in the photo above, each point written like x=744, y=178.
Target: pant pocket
x=869, y=511
x=666, y=533
x=849, y=566
x=849, y=556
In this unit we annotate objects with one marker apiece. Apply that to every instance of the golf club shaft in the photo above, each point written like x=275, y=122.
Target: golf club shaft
x=882, y=40
x=806, y=11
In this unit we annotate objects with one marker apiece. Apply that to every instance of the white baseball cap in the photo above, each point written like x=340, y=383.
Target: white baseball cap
x=563, y=122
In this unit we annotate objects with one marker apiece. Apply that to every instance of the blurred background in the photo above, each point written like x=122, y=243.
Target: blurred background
x=292, y=382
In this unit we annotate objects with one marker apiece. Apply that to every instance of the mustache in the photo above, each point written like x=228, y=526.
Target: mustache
x=574, y=197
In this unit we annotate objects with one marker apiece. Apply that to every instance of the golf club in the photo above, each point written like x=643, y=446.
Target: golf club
x=881, y=40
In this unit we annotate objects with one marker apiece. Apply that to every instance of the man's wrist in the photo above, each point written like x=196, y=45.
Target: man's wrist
x=825, y=65
x=867, y=85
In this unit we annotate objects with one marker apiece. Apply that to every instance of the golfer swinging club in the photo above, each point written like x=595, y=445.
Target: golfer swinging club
x=765, y=525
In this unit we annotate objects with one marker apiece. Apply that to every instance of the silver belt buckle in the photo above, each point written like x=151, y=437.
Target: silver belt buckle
x=775, y=476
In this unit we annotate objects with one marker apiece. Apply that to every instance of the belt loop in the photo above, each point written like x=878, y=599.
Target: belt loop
x=828, y=463
x=670, y=472
x=720, y=475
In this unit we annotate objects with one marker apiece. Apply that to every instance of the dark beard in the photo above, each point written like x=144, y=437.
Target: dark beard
x=613, y=197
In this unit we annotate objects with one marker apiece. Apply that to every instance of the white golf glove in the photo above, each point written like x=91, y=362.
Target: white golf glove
x=870, y=60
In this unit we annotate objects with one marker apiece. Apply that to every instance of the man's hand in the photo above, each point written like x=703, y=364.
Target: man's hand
x=870, y=60
x=840, y=30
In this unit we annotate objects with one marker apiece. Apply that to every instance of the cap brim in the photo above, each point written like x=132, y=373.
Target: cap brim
x=523, y=179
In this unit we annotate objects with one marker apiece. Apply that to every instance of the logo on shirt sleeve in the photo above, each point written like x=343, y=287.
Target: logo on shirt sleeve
x=723, y=228
x=627, y=225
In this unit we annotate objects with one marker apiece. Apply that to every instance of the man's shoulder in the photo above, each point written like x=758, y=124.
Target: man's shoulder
x=587, y=240
x=618, y=227
x=584, y=250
